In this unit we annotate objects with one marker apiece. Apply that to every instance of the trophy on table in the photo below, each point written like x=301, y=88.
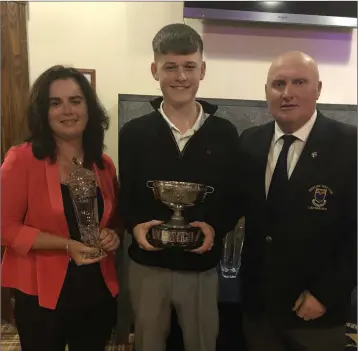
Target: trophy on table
x=177, y=233
x=83, y=191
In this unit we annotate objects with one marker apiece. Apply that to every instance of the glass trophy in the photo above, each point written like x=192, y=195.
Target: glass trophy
x=82, y=184
x=231, y=257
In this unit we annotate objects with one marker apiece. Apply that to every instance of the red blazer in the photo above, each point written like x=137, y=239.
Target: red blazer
x=31, y=201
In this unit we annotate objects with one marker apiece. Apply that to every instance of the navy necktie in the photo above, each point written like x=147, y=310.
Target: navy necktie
x=279, y=179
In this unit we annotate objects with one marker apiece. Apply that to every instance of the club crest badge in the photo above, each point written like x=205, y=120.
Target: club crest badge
x=320, y=194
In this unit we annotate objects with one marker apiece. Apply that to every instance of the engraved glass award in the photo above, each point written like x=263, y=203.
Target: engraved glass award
x=83, y=191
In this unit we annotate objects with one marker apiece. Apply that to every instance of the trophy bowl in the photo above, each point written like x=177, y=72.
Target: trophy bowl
x=177, y=233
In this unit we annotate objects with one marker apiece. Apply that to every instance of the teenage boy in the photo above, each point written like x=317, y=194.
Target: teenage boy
x=181, y=140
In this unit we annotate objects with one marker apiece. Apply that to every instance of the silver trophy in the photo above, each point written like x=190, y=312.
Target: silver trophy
x=177, y=233
x=82, y=184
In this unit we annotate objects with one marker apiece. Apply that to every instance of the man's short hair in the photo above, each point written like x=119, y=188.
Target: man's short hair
x=178, y=39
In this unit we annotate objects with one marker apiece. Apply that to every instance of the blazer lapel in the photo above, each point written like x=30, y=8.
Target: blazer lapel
x=262, y=151
x=101, y=175
x=308, y=163
x=55, y=194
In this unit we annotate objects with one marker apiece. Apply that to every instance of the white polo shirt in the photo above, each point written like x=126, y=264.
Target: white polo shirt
x=180, y=138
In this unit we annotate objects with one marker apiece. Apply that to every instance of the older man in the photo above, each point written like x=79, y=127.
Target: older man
x=299, y=258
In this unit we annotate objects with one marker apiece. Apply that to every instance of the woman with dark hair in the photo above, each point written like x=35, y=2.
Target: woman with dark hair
x=60, y=296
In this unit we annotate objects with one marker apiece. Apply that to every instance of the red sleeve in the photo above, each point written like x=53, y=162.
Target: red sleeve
x=14, y=194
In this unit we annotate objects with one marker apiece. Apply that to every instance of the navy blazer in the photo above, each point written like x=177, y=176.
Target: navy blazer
x=313, y=244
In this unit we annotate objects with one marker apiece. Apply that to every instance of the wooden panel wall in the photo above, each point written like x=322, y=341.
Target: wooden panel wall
x=14, y=92
x=14, y=73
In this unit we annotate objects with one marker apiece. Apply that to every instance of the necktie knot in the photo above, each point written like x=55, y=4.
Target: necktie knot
x=288, y=140
x=279, y=179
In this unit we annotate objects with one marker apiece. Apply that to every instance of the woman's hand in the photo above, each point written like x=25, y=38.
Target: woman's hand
x=109, y=240
x=77, y=250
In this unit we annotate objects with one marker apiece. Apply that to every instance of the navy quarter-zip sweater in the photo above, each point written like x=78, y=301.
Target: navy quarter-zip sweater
x=148, y=151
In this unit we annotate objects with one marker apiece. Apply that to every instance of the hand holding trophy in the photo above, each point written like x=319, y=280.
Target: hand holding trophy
x=83, y=190
x=140, y=233
x=79, y=252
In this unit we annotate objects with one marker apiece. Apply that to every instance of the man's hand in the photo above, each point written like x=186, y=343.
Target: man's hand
x=209, y=234
x=140, y=232
x=308, y=307
x=109, y=240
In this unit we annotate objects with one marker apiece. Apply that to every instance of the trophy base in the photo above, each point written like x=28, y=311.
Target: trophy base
x=182, y=237
x=98, y=254
x=95, y=243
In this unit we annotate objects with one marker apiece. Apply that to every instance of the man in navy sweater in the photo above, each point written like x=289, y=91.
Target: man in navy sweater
x=181, y=140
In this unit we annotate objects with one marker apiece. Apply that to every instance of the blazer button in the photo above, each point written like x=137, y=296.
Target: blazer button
x=268, y=239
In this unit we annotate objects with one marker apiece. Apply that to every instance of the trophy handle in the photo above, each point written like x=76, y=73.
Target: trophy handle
x=150, y=184
x=209, y=190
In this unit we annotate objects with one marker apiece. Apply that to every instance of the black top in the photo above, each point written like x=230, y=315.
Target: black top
x=310, y=241
x=84, y=285
x=148, y=151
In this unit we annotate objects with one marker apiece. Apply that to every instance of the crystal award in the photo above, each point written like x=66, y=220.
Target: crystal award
x=82, y=184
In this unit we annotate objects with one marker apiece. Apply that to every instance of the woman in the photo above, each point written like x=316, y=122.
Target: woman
x=60, y=296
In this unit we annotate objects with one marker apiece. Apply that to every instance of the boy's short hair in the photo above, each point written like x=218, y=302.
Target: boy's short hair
x=177, y=38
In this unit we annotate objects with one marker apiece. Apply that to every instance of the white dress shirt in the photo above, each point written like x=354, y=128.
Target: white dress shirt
x=294, y=151
x=180, y=138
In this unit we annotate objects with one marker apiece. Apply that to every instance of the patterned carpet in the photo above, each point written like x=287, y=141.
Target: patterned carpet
x=10, y=340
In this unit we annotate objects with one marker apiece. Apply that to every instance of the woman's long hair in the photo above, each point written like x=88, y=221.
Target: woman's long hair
x=41, y=136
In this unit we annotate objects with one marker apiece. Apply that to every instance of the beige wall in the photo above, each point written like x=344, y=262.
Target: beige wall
x=115, y=39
